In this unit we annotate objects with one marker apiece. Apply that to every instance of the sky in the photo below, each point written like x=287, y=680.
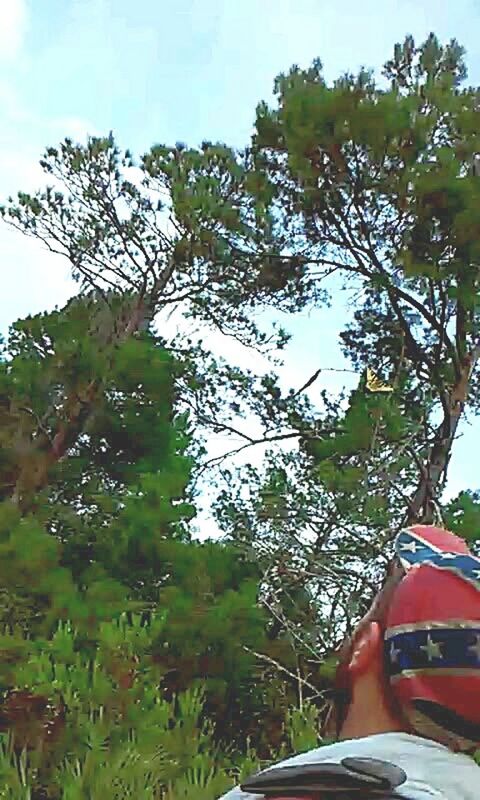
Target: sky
x=158, y=71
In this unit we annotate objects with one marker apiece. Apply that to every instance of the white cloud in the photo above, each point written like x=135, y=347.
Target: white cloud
x=33, y=280
x=13, y=23
x=19, y=173
x=77, y=129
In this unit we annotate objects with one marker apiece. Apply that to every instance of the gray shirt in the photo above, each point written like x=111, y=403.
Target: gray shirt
x=433, y=771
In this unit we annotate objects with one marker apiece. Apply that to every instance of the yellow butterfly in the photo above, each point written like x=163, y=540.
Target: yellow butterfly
x=374, y=384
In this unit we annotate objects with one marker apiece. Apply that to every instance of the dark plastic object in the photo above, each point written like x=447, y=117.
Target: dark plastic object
x=361, y=778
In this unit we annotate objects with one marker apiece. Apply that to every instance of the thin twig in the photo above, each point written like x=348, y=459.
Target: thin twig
x=280, y=667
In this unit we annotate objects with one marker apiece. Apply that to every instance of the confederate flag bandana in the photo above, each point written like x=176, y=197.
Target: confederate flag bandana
x=432, y=638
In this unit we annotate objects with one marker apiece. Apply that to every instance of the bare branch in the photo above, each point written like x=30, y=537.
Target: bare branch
x=286, y=671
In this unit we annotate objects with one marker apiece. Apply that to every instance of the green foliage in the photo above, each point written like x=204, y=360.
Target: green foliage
x=380, y=185
x=119, y=736
x=103, y=533
x=203, y=260
x=302, y=726
x=117, y=741
x=177, y=667
x=462, y=516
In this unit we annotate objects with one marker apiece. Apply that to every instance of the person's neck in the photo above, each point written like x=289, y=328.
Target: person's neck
x=357, y=729
x=368, y=715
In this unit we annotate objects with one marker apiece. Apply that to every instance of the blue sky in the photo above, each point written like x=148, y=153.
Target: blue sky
x=163, y=71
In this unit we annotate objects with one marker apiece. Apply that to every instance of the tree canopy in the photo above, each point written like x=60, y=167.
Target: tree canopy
x=366, y=189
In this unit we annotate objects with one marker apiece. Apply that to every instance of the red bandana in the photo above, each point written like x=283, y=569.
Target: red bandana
x=432, y=638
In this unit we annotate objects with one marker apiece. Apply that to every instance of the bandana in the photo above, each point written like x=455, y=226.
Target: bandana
x=432, y=637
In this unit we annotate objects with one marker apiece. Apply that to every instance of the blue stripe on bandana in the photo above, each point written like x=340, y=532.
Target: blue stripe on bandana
x=431, y=648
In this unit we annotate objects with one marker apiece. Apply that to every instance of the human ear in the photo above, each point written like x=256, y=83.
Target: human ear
x=367, y=645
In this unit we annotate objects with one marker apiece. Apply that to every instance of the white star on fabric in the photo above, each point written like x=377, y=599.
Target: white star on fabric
x=432, y=649
x=448, y=555
x=394, y=653
x=411, y=546
x=476, y=572
x=475, y=648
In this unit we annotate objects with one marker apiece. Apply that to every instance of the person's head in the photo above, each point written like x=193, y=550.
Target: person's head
x=413, y=662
